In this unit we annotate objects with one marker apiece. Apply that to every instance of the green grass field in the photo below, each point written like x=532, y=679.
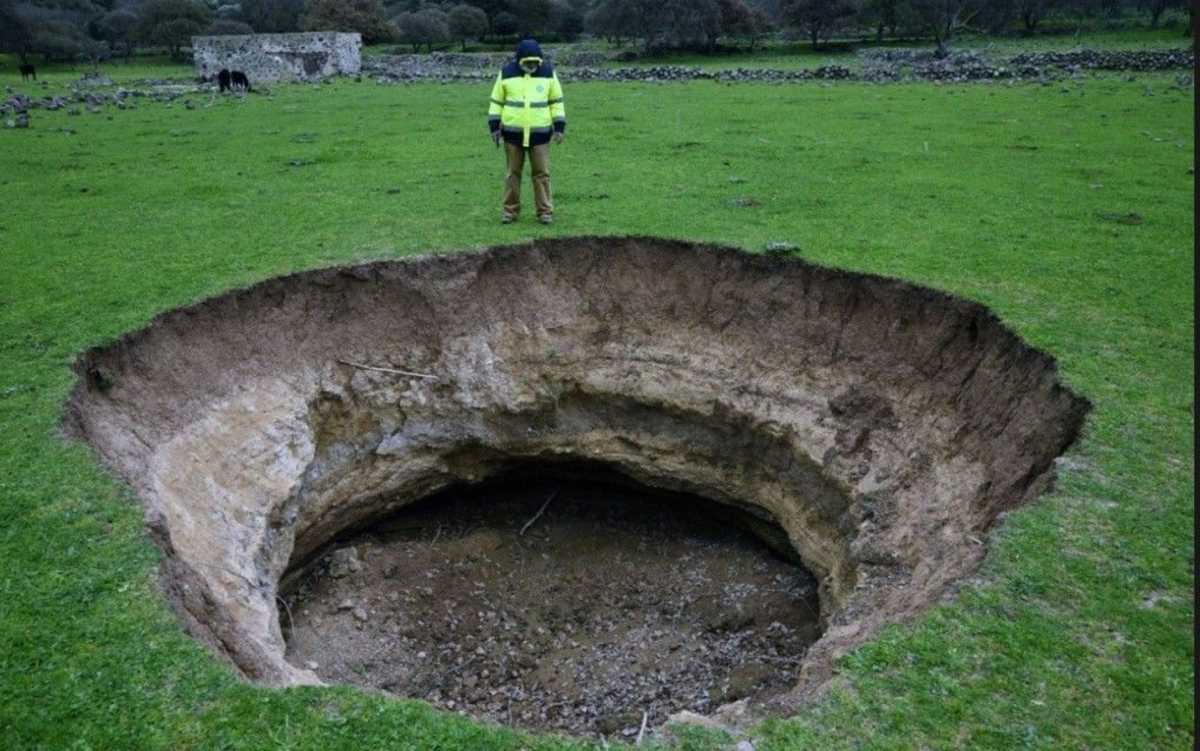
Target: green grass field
x=1076, y=634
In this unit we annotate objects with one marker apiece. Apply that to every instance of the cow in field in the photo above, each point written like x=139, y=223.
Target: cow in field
x=239, y=81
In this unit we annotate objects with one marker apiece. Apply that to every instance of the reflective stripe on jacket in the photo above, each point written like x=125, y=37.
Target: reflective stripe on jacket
x=527, y=107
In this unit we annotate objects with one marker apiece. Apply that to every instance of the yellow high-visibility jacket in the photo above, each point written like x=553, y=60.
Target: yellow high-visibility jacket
x=527, y=107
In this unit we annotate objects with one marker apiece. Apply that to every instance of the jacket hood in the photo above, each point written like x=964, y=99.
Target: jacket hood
x=529, y=48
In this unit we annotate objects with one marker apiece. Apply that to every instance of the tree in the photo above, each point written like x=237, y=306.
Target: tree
x=658, y=22
x=273, y=16
x=566, y=19
x=172, y=23
x=227, y=27
x=58, y=29
x=1158, y=7
x=614, y=20
x=882, y=14
x=16, y=35
x=505, y=24
x=467, y=22
x=533, y=15
x=491, y=7
x=57, y=40
x=117, y=27
x=686, y=24
x=367, y=17
x=741, y=21
x=941, y=18
x=819, y=18
x=426, y=26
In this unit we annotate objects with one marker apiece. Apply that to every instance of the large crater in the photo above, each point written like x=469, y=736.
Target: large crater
x=881, y=426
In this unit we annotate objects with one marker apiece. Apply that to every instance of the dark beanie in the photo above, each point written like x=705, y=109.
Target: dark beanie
x=528, y=48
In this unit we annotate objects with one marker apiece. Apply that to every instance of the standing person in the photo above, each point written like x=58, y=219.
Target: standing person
x=526, y=112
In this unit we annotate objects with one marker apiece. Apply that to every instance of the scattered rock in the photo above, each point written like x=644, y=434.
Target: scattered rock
x=1136, y=60
x=95, y=79
x=344, y=562
x=1128, y=217
x=618, y=722
x=552, y=625
x=878, y=65
x=477, y=544
x=747, y=679
x=687, y=717
x=780, y=247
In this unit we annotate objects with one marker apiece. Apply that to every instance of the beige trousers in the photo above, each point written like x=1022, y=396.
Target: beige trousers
x=539, y=159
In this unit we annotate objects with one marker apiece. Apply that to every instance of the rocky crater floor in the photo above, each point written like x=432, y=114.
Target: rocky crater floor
x=868, y=428
x=611, y=603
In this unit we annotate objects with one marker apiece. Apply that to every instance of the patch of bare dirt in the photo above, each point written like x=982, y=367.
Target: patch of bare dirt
x=615, y=602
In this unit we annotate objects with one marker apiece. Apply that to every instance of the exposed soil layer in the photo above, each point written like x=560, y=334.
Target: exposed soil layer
x=882, y=426
x=614, y=602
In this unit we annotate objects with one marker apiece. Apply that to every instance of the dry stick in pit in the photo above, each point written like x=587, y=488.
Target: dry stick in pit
x=360, y=366
x=536, y=516
x=642, y=731
x=288, y=608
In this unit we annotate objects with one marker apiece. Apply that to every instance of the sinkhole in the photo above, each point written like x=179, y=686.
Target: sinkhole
x=561, y=484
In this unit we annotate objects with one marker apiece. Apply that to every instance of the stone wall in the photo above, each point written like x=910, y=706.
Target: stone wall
x=310, y=56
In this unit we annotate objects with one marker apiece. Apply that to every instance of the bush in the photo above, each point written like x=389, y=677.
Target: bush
x=566, y=20
x=172, y=23
x=16, y=35
x=65, y=43
x=226, y=27
x=117, y=28
x=367, y=17
x=426, y=26
x=272, y=16
x=467, y=22
x=505, y=24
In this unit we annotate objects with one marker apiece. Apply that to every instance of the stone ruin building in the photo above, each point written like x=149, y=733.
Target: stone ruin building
x=309, y=56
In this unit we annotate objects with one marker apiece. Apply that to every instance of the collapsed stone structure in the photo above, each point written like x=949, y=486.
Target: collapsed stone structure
x=877, y=66
x=309, y=56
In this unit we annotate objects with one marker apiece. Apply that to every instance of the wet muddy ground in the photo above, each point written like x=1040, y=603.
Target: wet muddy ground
x=615, y=601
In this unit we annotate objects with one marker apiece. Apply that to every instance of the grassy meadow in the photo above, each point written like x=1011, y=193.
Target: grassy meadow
x=1077, y=633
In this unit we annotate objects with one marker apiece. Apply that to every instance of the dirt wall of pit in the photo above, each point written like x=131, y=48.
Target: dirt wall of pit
x=884, y=426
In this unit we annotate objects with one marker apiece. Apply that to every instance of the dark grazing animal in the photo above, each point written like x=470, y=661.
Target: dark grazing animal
x=27, y=72
x=223, y=80
x=239, y=81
